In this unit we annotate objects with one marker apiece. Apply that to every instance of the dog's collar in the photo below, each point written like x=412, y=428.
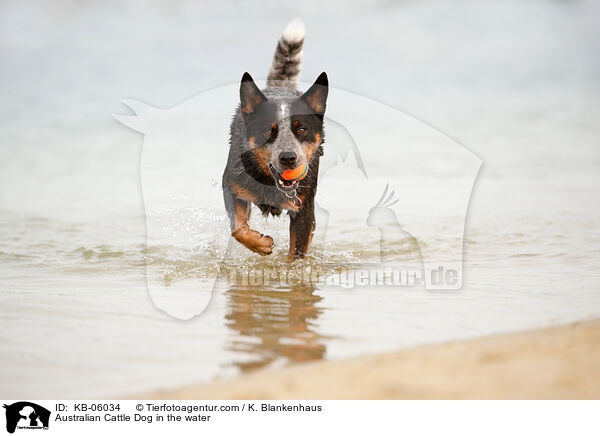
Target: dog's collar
x=294, y=196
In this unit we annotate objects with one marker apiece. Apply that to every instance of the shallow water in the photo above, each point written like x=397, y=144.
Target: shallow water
x=517, y=84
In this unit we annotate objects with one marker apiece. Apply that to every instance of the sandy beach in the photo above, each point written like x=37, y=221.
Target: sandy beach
x=561, y=362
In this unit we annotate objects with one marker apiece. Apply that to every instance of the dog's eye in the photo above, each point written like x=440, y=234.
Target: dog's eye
x=267, y=132
x=301, y=130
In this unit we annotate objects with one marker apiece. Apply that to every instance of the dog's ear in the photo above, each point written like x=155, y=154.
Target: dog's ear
x=316, y=96
x=250, y=95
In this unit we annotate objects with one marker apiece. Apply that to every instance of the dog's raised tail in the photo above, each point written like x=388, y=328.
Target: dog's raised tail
x=285, y=67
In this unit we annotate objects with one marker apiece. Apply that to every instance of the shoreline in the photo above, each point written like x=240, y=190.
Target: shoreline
x=559, y=362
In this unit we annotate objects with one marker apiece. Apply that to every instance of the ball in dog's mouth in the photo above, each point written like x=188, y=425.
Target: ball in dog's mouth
x=286, y=186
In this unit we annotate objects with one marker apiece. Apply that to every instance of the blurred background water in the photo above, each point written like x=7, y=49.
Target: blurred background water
x=515, y=82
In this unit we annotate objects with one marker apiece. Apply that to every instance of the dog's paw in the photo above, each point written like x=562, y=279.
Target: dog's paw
x=254, y=241
x=264, y=245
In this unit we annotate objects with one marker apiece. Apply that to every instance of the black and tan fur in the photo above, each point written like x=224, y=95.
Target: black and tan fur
x=276, y=129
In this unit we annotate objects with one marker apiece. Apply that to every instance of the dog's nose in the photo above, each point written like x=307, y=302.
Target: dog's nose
x=287, y=158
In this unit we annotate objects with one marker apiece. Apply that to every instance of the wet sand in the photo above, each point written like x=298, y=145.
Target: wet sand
x=560, y=362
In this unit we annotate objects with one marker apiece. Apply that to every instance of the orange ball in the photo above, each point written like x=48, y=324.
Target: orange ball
x=295, y=174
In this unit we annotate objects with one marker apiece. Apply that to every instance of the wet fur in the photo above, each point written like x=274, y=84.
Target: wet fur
x=247, y=177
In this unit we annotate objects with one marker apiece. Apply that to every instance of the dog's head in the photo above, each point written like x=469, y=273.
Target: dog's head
x=283, y=131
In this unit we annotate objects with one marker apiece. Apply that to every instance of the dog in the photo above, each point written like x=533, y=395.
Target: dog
x=275, y=130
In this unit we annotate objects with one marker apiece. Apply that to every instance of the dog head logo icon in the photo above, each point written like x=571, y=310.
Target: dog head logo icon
x=26, y=415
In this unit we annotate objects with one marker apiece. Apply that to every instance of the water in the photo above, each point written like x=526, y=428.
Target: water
x=515, y=83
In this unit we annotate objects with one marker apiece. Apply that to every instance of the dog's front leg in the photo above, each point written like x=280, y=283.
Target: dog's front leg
x=302, y=227
x=239, y=212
